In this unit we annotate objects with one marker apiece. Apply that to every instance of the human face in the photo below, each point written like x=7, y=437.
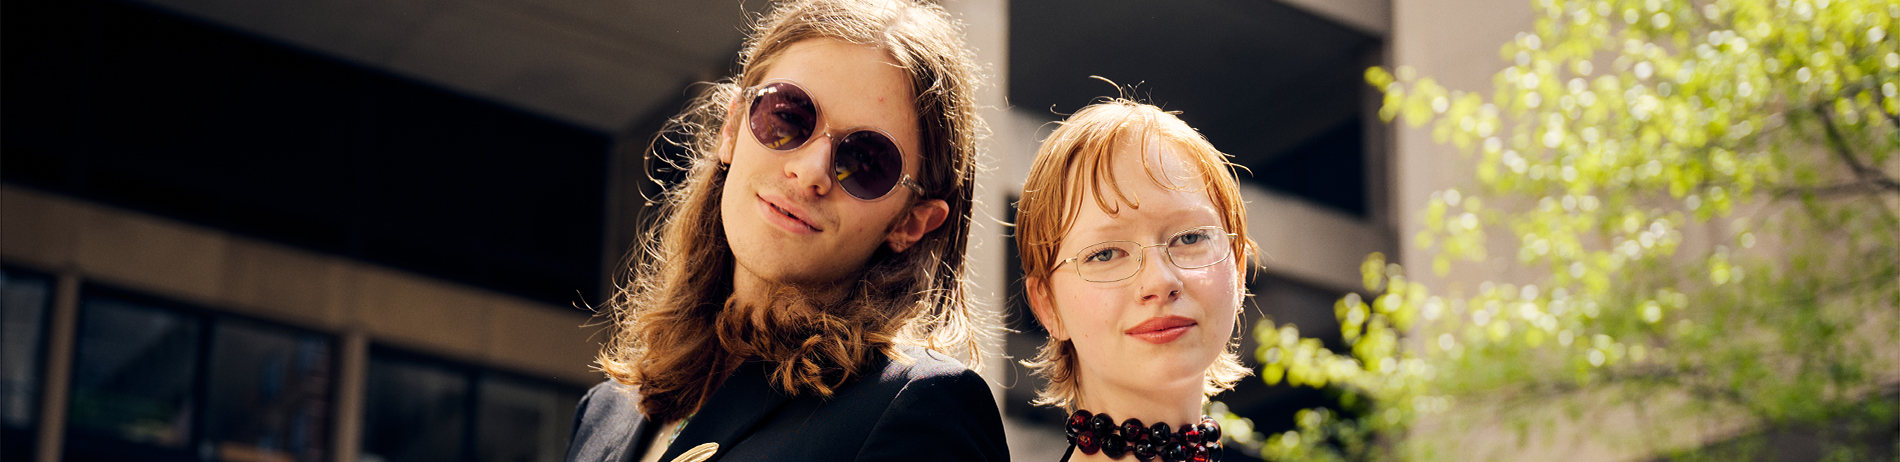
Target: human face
x=1144, y=343
x=786, y=218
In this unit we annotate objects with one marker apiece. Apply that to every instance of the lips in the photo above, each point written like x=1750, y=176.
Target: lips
x=788, y=217
x=1160, y=330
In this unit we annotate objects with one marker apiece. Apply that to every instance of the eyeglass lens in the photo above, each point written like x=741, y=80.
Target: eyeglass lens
x=1117, y=260
x=866, y=163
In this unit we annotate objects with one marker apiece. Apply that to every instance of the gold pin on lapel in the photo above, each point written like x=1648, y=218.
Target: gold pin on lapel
x=698, y=453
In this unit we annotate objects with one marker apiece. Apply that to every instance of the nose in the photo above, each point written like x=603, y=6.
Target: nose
x=1159, y=282
x=808, y=166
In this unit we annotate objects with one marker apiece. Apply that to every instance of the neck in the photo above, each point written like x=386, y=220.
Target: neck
x=1174, y=405
x=1149, y=411
x=750, y=289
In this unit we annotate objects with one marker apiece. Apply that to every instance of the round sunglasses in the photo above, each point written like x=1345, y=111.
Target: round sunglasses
x=866, y=162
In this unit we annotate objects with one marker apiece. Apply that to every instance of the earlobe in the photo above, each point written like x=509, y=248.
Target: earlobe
x=911, y=227
x=1037, y=291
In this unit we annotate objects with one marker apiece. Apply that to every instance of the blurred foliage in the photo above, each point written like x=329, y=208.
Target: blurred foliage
x=1701, y=226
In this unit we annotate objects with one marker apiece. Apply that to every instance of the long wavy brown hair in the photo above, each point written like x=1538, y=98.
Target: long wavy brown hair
x=676, y=335
x=1073, y=168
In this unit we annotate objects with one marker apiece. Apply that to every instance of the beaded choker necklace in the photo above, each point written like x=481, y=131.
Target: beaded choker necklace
x=1196, y=442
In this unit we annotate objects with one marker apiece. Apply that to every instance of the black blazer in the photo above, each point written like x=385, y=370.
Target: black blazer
x=931, y=409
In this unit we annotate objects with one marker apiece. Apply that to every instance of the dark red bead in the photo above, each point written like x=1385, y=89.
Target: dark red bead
x=1160, y=433
x=1087, y=442
x=1213, y=450
x=1175, y=451
x=1134, y=431
x=1077, y=422
x=1197, y=453
x=1191, y=434
x=1210, y=430
x=1145, y=450
x=1102, y=424
x=1114, y=445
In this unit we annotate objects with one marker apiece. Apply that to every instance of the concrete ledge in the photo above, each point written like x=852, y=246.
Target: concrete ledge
x=1309, y=243
x=307, y=289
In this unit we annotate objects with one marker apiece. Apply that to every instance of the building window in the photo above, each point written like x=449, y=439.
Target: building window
x=523, y=421
x=156, y=380
x=423, y=409
x=24, y=302
x=133, y=375
x=269, y=393
x=413, y=411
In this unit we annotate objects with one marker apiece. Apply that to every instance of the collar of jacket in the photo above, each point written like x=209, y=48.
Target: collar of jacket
x=736, y=409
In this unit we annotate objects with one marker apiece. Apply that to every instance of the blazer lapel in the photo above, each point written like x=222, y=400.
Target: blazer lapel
x=737, y=408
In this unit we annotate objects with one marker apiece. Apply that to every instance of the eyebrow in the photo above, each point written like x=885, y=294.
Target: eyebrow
x=1119, y=227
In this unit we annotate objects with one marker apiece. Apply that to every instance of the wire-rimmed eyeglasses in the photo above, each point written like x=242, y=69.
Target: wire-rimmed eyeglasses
x=1192, y=248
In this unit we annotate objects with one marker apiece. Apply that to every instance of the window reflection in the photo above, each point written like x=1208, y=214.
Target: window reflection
x=133, y=372
x=521, y=421
x=269, y=393
x=413, y=411
x=161, y=381
x=156, y=380
x=417, y=408
x=24, y=302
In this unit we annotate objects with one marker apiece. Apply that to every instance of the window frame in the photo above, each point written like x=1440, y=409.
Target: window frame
x=474, y=376
x=80, y=444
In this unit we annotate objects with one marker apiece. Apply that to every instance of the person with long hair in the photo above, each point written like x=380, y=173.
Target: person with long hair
x=801, y=295
x=1132, y=234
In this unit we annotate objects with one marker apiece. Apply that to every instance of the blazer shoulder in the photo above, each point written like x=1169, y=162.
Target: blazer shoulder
x=609, y=398
x=925, y=364
x=942, y=411
x=607, y=424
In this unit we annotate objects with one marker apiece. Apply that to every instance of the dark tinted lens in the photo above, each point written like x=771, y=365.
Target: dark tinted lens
x=867, y=164
x=783, y=116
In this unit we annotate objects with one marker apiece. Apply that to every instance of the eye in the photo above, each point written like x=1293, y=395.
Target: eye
x=792, y=118
x=1103, y=255
x=1191, y=238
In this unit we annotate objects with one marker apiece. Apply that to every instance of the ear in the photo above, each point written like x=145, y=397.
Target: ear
x=1037, y=291
x=1240, y=288
x=921, y=219
x=729, y=132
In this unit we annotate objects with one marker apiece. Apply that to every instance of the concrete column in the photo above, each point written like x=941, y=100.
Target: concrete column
x=353, y=367
x=62, y=333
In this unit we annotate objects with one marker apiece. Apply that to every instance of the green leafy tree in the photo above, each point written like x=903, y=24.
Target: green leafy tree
x=1702, y=203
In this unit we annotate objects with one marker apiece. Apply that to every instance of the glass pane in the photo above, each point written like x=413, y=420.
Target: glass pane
x=24, y=301
x=521, y=421
x=413, y=411
x=133, y=374
x=23, y=305
x=269, y=390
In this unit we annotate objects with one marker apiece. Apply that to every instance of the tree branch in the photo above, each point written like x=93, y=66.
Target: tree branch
x=1880, y=99
x=1880, y=103
x=1873, y=177
x=1843, y=189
